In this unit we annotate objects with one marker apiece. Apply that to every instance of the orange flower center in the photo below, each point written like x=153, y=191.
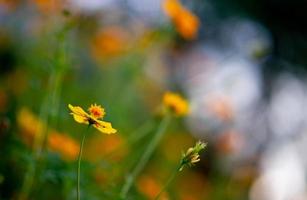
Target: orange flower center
x=96, y=111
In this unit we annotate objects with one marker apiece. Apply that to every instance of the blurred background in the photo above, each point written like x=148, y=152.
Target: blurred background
x=240, y=64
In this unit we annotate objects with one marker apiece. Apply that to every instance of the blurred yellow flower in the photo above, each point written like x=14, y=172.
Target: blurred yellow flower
x=175, y=103
x=96, y=112
x=29, y=124
x=186, y=23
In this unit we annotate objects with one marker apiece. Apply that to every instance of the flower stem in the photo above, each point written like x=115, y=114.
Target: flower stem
x=141, y=132
x=51, y=100
x=79, y=162
x=169, y=181
x=145, y=157
x=40, y=139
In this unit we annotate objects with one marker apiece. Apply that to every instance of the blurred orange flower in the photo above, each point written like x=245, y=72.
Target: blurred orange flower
x=31, y=126
x=186, y=23
x=110, y=42
x=148, y=186
x=175, y=103
x=67, y=147
x=96, y=112
x=112, y=146
x=192, y=185
x=46, y=6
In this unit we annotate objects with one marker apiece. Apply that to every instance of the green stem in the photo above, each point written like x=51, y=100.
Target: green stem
x=51, y=101
x=79, y=162
x=139, y=134
x=145, y=157
x=38, y=143
x=169, y=181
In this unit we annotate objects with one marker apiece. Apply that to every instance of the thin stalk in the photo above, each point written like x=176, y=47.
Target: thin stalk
x=38, y=143
x=169, y=181
x=51, y=101
x=139, y=134
x=145, y=157
x=79, y=162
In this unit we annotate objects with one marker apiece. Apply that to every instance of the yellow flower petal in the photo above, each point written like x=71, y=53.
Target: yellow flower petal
x=104, y=127
x=77, y=110
x=80, y=119
x=79, y=114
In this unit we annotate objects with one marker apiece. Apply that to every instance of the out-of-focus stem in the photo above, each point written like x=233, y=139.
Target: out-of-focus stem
x=145, y=157
x=51, y=101
x=39, y=141
x=169, y=181
x=139, y=134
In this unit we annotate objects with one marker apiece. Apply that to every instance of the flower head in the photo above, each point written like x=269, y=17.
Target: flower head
x=174, y=102
x=96, y=112
x=191, y=156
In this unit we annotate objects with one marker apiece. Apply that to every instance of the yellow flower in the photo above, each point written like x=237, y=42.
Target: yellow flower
x=186, y=23
x=96, y=112
x=175, y=103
